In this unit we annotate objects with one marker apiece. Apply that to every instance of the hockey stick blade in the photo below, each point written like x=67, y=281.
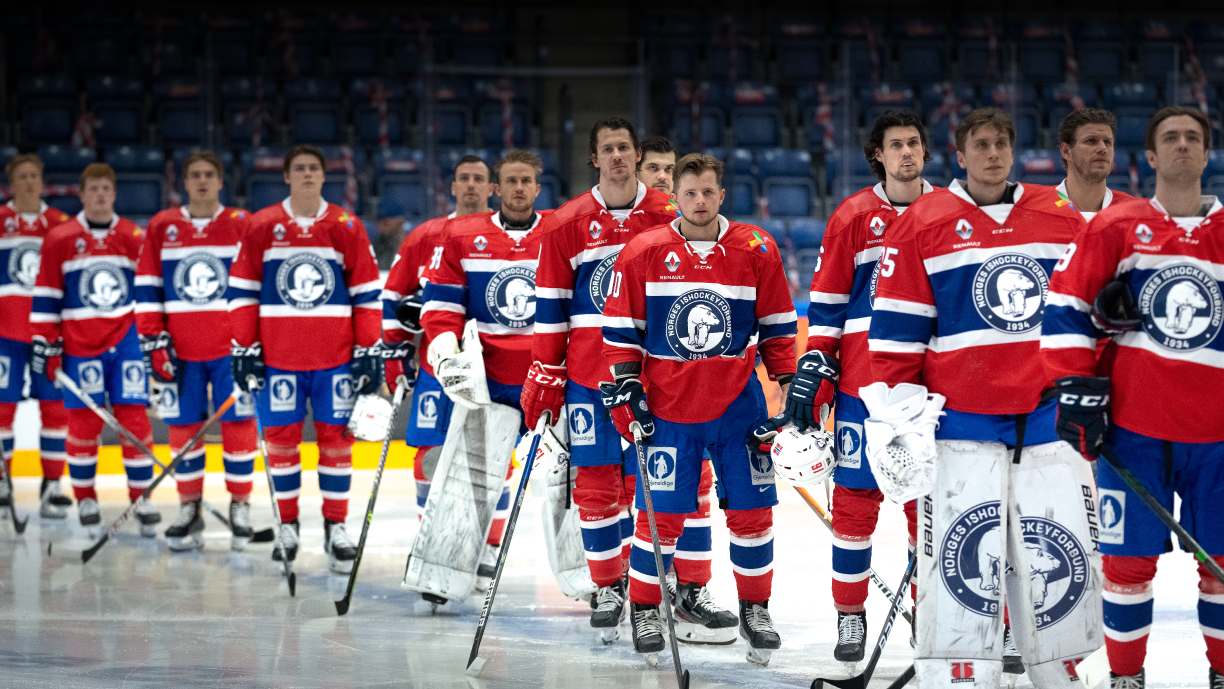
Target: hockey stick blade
x=265, y=536
x=904, y=679
x=18, y=525
x=315, y=608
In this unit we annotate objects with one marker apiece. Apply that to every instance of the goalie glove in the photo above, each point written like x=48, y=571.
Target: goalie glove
x=46, y=357
x=1083, y=413
x=462, y=372
x=366, y=369
x=160, y=362
x=812, y=390
x=247, y=365
x=900, y=438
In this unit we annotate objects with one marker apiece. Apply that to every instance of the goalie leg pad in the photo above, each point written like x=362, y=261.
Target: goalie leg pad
x=462, y=500
x=563, y=538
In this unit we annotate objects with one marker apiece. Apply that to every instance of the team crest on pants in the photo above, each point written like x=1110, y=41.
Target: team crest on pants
x=761, y=466
x=601, y=280
x=427, y=409
x=103, y=287
x=90, y=375
x=305, y=281
x=1009, y=292
x=1182, y=307
x=168, y=403
x=511, y=297
x=344, y=393
x=200, y=278
x=23, y=264
x=133, y=378
x=1113, y=516
x=699, y=325
x=244, y=404
x=582, y=424
x=972, y=560
x=661, y=466
x=849, y=437
x=282, y=393
x=6, y=367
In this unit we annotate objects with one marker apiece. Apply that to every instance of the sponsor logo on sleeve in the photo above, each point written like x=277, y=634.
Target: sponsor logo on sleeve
x=200, y=278
x=103, y=286
x=89, y=373
x=23, y=264
x=661, y=466
x=1009, y=292
x=582, y=424
x=1113, y=516
x=699, y=325
x=511, y=297
x=849, y=437
x=282, y=395
x=1182, y=307
x=134, y=379
x=305, y=281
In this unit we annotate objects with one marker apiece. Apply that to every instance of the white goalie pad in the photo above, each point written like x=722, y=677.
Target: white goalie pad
x=552, y=454
x=900, y=438
x=462, y=375
x=563, y=535
x=466, y=487
x=371, y=418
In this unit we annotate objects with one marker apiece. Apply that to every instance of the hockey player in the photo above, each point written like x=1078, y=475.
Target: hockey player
x=690, y=304
x=1086, y=142
x=658, y=164
x=978, y=256
x=183, y=320
x=27, y=220
x=1160, y=410
x=83, y=321
x=843, y=288
x=486, y=271
x=405, y=284
x=304, y=317
x=573, y=282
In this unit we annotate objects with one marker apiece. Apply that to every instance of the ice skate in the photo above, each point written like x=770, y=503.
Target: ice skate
x=290, y=537
x=757, y=628
x=6, y=498
x=608, y=610
x=434, y=602
x=240, y=525
x=1012, y=664
x=1215, y=680
x=698, y=619
x=53, y=504
x=90, y=515
x=341, y=551
x=187, y=531
x=486, y=567
x=851, y=636
x=149, y=518
x=1138, y=681
x=648, y=632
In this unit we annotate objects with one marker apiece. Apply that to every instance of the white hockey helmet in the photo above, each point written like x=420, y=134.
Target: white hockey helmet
x=552, y=456
x=371, y=418
x=803, y=459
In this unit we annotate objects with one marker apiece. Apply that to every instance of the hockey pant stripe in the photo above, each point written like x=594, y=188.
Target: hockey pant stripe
x=84, y=427
x=502, y=513
x=603, y=494
x=51, y=438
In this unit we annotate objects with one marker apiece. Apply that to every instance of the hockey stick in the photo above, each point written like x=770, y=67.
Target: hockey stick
x=285, y=566
x=144, y=496
x=682, y=675
x=904, y=679
x=110, y=420
x=1161, y=513
x=475, y=663
x=18, y=525
x=861, y=681
x=824, y=519
x=315, y=608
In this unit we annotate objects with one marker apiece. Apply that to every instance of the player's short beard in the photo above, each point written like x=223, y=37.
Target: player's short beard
x=1085, y=172
x=694, y=223
x=509, y=204
x=905, y=177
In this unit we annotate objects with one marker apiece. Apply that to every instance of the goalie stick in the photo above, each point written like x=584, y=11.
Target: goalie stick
x=824, y=519
x=109, y=419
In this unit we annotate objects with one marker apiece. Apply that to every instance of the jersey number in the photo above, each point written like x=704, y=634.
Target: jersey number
x=436, y=260
x=887, y=265
x=819, y=259
x=616, y=285
x=1066, y=259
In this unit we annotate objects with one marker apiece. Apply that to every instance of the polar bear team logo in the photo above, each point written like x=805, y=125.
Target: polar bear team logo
x=1009, y=292
x=1182, y=307
x=511, y=297
x=699, y=325
x=23, y=264
x=200, y=278
x=305, y=281
x=601, y=281
x=103, y=287
x=973, y=563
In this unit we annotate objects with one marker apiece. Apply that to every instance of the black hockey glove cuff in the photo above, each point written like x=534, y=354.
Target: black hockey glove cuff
x=814, y=385
x=1114, y=310
x=1083, y=412
x=625, y=401
x=160, y=361
x=367, y=369
x=408, y=311
x=247, y=364
x=762, y=437
x=42, y=351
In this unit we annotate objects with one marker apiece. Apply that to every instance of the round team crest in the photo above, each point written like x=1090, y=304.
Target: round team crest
x=1182, y=307
x=103, y=287
x=973, y=563
x=200, y=278
x=23, y=264
x=305, y=281
x=601, y=281
x=511, y=297
x=699, y=325
x=1009, y=292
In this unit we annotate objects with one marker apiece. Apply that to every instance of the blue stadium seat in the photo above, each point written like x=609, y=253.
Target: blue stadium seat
x=789, y=197
x=854, y=33
x=806, y=233
x=945, y=104
x=856, y=174
x=935, y=170
x=119, y=103
x=1039, y=167
x=7, y=153
x=1119, y=176
x=1020, y=102
x=180, y=110
x=673, y=57
x=780, y=162
x=730, y=43
x=1147, y=175
x=1133, y=105
x=1213, y=174
x=448, y=159
x=239, y=96
x=172, y=56
x=470, y=52
x=550, y=192
x=800, y=49
x=737, y=162
x=138, y=194
x=365, y=113
x=1130, y=95
x=408, y=191
x=48, y=110
x=1157, y=43
x=1209, y=46
x=1041, y=50
x=743, y=194
x=66, y=159
x=490, y=117
x=978, y=60
x=756, y=120
x=265, y=189
x=810, y=98
x=314, y=110
x=298, y=62
x=233, y=52
x=1099, y=49
x=874, y=100
x=398, y=161
x=136, y=159
x=355, y=54
x=922, y=47
x=712, y=117
x=1060, y=99
x=452, y=113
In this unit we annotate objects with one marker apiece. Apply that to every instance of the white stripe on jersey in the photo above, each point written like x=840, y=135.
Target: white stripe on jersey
x=552, y=327
x=554, y=293
x=855, y=325
x=913, y=308
x=969, y=257
x=177, y=253
x=284, y=310
x=676, y=289
x=1141, y=340
x=499, y=329
x=1068, y=300
x=49, y=292
x=149, y=281
x=371, y=286
x=776, y=318
x=1068, y=341
x=178, y=306
x=828, y=298
x=83, y=263
x=88, y=312
x=868, y=255
x=823, y=331
x=896, y=346
x=438, y=305
x=18, y=240
x=492, y=265
x=280, y=253
x=243, y=283
x=980, y=338
x=621, y=322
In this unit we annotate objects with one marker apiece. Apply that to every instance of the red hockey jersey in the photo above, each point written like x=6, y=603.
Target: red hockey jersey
x=486, y=274
x=1167, y=375
x=21, y=239
x=422, y=247
x=696, y=313
x=193, y=256
x=843, y=284
x=960, y=296
x=84, y=287
x=579, y=247
x=307, y=288
x=1111, y=197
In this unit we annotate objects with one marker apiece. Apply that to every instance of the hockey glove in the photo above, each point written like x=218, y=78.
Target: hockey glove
x=408, y=311
x=761, y=438
x=625, y=401
x=544, y=391
x=399, y=363
x=247, y=364
x=366, y=369
x=160, y=362
x=45, y=357
x=1083, y=412
x=1114, y=310
x=812, y=390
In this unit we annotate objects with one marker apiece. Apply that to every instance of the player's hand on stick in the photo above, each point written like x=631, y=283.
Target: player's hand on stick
x=366, y=369
x=247, y=365
x=625, y=401
x=1083, y=412
x=399, y=364
x=543, y=391
x=812, y=390
x=159, y=358
x=46, y=357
